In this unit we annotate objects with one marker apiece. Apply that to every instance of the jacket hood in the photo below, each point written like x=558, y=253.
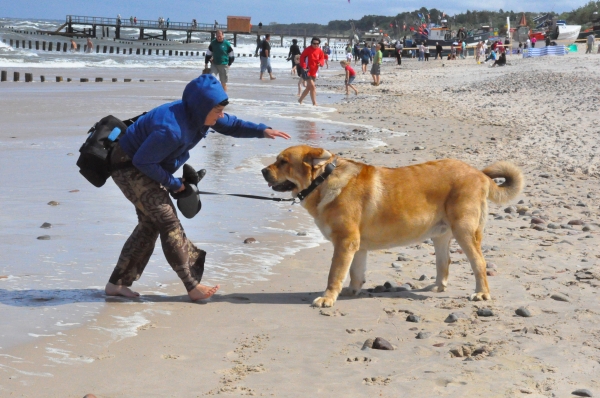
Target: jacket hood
x=200, y=96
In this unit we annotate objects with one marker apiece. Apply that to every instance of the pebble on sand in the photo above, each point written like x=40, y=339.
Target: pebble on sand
x=413, y=318
x=301, y=234
x=485, y=312
x=423, y=335
x=582, y=393
x=46, y=225
x=249, y=240
x=53, y=203
x=575, y=222
x=382, y=344
x=522, y=311
x=455, y=316
x=368, y=344
x=43, y=237
x=560, y=297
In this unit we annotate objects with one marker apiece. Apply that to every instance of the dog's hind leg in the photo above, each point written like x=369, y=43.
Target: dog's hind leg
x=343, y=254
x=470, y=242
x=357, y=274
x=442, y=262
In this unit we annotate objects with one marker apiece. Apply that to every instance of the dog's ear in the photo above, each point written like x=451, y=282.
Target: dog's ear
x=320, y=156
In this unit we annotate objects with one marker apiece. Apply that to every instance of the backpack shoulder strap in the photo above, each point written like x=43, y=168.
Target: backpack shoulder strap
x=129, y=122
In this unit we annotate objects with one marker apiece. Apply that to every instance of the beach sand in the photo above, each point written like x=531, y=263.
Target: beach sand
x=264, y=339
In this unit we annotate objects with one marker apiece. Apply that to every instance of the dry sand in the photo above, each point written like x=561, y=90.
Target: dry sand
x=265, y=340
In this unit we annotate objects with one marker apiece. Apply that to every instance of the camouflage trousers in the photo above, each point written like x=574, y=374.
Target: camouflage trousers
x=156, y=217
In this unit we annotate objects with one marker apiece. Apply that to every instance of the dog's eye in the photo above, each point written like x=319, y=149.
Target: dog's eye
x=283, y=161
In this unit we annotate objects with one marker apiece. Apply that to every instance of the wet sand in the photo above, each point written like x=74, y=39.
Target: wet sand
x=264, y=339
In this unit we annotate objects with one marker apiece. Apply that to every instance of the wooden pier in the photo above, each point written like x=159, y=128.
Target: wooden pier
x=76, y=25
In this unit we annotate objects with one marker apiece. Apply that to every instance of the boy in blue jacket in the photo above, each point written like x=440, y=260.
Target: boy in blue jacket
x=144, y=161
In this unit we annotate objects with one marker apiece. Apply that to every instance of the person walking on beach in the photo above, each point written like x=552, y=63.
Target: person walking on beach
x=399, y=48
x=220, y=54
x=463, y=53
x=311, y=58
x=421, y=49
x=90, y=45
x=143, y=163
x=590, y=43
x=533, y=41
x=326, y=52
x=376, y=67
x=294, y=50
x=301, y=74
x=73, y=46
x=265, y=57
x=478, y=50
x=365, y=57
x=438, y=50
x=356, y=53
x=350, y=76
x=426, y=50
x=258, y=45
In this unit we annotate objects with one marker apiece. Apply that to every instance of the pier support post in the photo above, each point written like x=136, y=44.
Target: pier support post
x=28, y=77
x=118, y=32
x=16, y=76
x=3, y=76
x=141, y=34
x=164, y=34
x=235, y=39
x=304, y=41
x=94, y=31
x=281, y=40
x=37, y=45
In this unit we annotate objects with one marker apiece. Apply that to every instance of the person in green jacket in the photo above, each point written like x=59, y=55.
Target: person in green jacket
x=220, y=53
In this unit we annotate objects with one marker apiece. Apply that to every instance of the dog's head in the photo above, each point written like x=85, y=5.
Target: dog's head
x=294, y=168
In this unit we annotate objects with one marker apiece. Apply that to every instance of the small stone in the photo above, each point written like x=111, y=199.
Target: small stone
x=582, y=393
x=545, y=175
x=74, y=190
x=560, y=297
x=491, y=266
x=53, y=203
x=423, y=277
x=510, y=209
x=581, y=204
x=249, y=240
x=575, y=222
x=538, y=227
x=419, y=148
x=379, y=289
x=485, y=312
x=553, y=226
x=439, y=344
x=301, y=234
x=403, y=257
x=390, y=285
x=46, y=225
x=382, y=344
x=524, y=312
x=587, y=228
x=396, y=265
x=566, y=226
x=537, y=220
x=491, y=272
x=413, y=318
x=367, y=344
x=43, y=237
x=451, y=318
x=423, y=335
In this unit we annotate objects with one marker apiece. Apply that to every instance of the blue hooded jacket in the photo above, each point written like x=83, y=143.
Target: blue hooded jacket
x=159, y=142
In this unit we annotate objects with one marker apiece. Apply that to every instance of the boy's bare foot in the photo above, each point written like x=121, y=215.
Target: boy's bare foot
x=300, y=101
x=201, y=292
x=119, y=290
x=273, y=78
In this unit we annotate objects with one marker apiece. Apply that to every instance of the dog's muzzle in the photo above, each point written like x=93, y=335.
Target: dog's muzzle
x=284, y=186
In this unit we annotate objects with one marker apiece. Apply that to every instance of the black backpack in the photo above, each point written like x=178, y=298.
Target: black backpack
x=94, y=157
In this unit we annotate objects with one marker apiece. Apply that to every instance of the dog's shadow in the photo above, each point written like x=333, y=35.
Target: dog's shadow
x=58, y=297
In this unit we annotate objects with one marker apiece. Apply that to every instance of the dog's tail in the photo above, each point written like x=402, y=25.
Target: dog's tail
x=513, y=181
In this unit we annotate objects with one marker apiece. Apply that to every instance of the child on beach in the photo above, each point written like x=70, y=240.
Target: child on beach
x=300, y=72
x=350, y=76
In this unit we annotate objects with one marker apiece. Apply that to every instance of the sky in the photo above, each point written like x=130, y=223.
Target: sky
x=265, y=11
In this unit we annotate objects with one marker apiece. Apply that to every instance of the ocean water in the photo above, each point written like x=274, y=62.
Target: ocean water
x=51, y=285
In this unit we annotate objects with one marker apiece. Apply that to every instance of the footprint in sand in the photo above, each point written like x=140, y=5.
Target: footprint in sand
x=358, y=360
x=169, y=356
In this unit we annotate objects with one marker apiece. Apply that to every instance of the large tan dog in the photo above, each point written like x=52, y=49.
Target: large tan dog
x=360, y=208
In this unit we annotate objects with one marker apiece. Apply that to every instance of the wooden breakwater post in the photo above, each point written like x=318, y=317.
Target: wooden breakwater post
x=114, y=79
x=42, y=79
x=3, y=76
x=59, y=79
x=84, y=80
x=99, y=80
x=28, y=77
x=16, y=77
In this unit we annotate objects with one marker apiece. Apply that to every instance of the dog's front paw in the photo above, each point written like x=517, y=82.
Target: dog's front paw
x=349, y=291
x=480, y=296
x=323, y=302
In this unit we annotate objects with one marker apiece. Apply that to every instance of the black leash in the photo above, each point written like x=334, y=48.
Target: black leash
x=248, y=196
x=301, y=195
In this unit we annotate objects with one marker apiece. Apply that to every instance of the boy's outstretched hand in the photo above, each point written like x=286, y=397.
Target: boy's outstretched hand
x=271, y=133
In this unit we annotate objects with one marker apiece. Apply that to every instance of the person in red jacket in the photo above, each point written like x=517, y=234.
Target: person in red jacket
x=311, y=58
